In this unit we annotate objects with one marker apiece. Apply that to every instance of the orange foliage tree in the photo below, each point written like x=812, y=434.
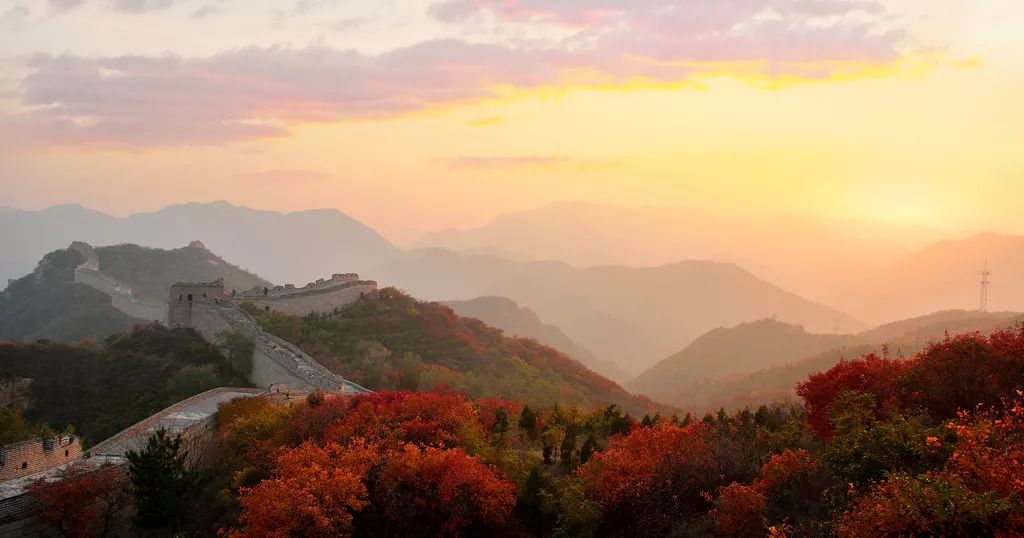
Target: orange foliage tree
x=389, y=463
x=428, y=491
x=315, y=491
x=979, y=491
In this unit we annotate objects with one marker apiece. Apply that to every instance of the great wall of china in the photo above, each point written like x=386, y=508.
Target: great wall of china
x=212, y=312
x=279, y=368
x=121, y=297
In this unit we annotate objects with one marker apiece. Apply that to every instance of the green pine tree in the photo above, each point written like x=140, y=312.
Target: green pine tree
x=161, y=481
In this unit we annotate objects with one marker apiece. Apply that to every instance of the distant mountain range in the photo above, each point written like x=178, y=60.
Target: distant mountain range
x=285, y=248
x=761, y=362
x=630, y=316
x=815, y=258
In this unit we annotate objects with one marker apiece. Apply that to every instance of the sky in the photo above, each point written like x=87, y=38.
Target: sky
x=419, y=115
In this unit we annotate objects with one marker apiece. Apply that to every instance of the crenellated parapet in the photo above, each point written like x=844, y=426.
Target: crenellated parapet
x=321, y=297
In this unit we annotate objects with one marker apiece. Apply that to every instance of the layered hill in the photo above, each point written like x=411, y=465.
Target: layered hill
x=286, y=247
x=393, y=341
x=519, y=321
x=49, y=304
x=727, y=352
x=633, y=317
x=765, y=360
x=946, y=275
x=816, y=258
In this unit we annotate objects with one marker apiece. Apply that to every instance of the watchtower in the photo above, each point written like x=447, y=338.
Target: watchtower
x=184, y=295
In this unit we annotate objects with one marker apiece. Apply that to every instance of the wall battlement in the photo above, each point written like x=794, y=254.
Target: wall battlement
x=30, y=457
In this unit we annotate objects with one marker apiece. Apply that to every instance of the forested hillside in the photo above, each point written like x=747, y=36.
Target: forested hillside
x=393, y=341
x=48, y=304
x=100, y=389
x=151, y=271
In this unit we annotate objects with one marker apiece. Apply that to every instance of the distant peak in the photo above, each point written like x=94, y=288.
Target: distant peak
x=197, y=244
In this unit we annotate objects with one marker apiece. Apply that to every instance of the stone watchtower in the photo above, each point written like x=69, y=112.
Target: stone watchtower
x=184, y=294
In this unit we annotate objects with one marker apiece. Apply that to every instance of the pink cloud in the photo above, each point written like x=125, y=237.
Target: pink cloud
x=257, y=92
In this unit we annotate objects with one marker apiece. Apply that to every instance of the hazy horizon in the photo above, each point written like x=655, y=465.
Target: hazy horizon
x=448, y=113
x=417, y=236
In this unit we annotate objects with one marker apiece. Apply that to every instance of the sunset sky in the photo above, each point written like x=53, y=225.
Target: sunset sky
x=416, y=115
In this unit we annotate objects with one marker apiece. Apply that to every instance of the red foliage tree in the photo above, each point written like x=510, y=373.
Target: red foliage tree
x=425, y=418
x=652, y=476
x=870, y=374
x=489, y=409
x=784, y=469
x=431, y=491
x=740, y=511
x=82, y=501
x=315, y=492
x=965, y=371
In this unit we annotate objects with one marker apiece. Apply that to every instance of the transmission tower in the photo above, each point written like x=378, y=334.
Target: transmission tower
x=984, y=287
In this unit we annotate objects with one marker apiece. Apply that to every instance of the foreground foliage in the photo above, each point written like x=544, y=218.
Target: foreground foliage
x=127, y=378
x=876, y=450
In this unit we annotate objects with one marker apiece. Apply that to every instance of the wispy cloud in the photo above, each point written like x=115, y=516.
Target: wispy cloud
x=258, y=92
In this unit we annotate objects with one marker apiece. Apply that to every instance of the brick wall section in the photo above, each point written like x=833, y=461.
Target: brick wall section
x=30, y=457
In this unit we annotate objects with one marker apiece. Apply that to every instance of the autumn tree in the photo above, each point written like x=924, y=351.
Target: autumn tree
x=652, y=477
x=429, y=491
x=870, y=374
x=740, y=511
x=315, y=491
x=82, y=501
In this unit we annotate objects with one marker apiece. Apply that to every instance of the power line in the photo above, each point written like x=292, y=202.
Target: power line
x=984, y=287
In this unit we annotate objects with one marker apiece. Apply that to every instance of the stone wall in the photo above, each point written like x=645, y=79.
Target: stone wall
x=194, y=418
x=275, y=361
x=139, y=309
x=30, y=457
x=317, y=299
x=121, y=297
